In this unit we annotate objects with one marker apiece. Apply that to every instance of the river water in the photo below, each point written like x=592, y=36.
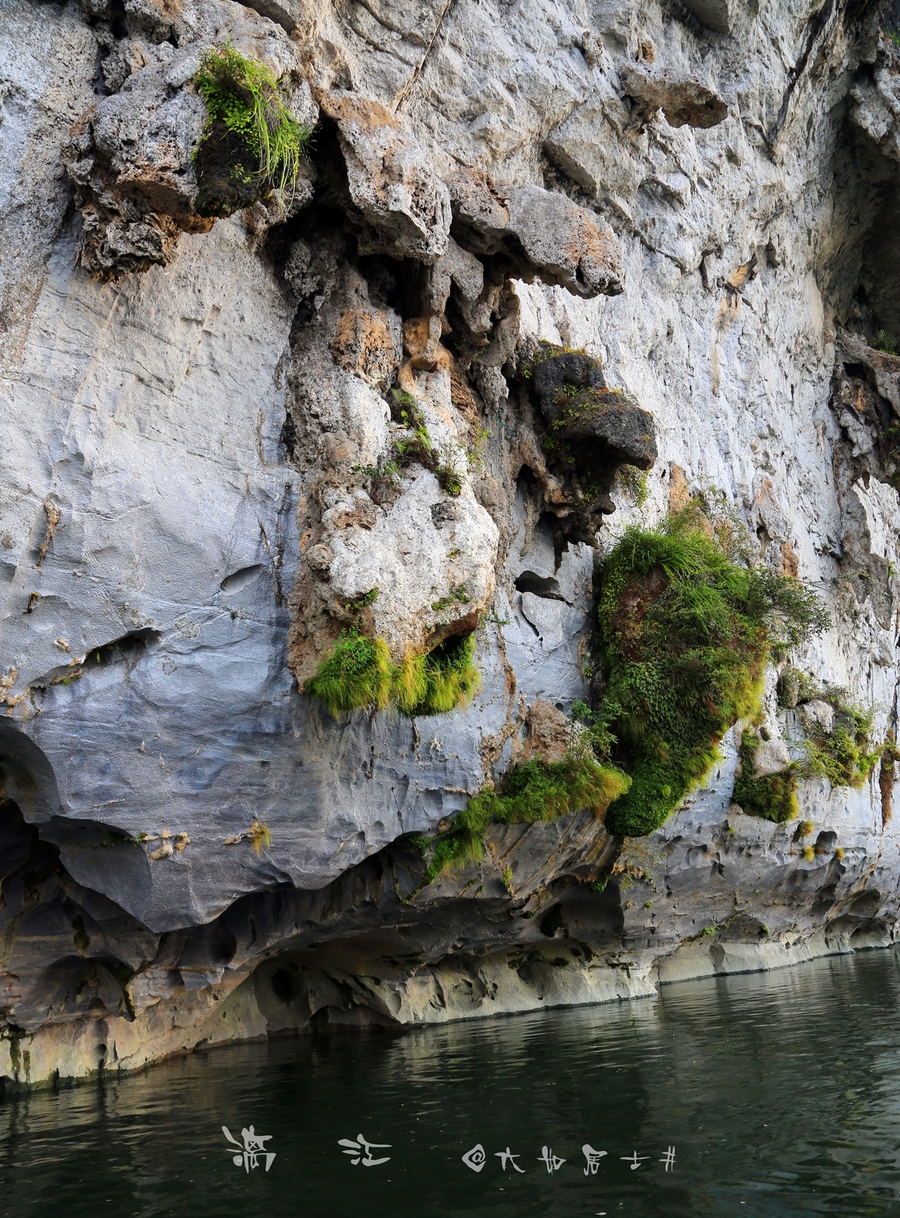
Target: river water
x=778, y=1093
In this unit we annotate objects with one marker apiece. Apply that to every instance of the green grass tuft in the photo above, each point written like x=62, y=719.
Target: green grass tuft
x=451, y=678
x=535, y=791
x=884, y=340
x=844, y=755
x=685, y=635
x=359, y=672
x=245, y=95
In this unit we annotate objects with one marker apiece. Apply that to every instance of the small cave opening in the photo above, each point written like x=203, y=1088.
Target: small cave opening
x=539, y=585
x=126, y=649
x=282, y=984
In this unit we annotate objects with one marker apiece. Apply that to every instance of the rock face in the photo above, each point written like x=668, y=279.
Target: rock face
x=663, y=235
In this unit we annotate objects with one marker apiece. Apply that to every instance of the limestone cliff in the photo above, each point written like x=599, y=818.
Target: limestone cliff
x=242, y=424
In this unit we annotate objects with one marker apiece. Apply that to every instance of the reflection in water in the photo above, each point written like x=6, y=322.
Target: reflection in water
x=779, y=1092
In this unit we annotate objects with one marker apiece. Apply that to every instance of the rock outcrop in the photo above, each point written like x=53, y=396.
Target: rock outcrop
x=543, y=273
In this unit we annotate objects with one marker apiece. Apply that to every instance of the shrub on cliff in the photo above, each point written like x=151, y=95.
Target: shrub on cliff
x=842, y=753
x=685, y=634
x=252, y=144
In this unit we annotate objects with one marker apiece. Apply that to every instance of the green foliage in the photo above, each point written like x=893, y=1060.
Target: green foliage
x=597, y=732
x=439, y=682
x=358, y=672
x=458, y=595
x=771, y=797
x=450, y=675
x=361, y=602
x=419, y=447
x=685, y=634
x=634, y=483
x=884, y=340
x=245, y=95
x=449, y=480
x=844, y=755
x=386, y=471
x=535, y=791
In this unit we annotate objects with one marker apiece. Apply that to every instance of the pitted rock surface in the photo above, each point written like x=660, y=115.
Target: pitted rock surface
x=206, y=459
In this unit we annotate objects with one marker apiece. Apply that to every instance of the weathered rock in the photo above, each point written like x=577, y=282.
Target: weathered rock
x=143, y=176
x=685, y=103
x=605, y=425
x=391, y=180
x=201, y=467
x=549, y=733
x=817, y=717
x=771, y=757
x=562, y=243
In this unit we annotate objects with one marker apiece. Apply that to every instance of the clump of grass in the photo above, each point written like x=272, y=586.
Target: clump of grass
x=809, y=853
x=361, y=602
x=419, y=448
x=246, y=97
x=359, y=672
x=458, y=595
x=538, y=790
x=451, y=677
x=634, y=483
x=884, y=340
x=439, y=682
x=685, y=635
x=844, y=756
x=449, y=480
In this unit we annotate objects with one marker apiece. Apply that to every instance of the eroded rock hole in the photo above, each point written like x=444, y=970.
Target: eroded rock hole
x=282, y=985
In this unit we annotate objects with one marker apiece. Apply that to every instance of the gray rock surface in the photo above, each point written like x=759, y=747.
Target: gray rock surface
x=196, y=483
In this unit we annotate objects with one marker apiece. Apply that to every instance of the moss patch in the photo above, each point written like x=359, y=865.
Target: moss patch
x=771, y=797
x=685, y=635
x=358, y=672
x=844, y=755
x=537, y=790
